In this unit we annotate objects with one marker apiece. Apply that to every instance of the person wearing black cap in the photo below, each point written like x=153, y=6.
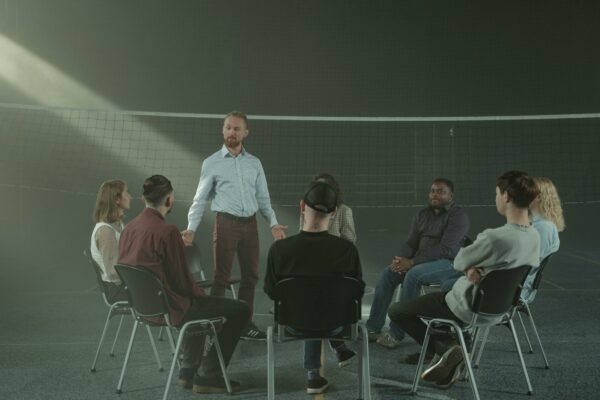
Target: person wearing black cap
x=315, y=253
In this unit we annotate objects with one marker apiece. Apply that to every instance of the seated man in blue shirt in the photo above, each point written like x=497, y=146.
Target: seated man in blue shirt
x=436, y=235
x=315, y=253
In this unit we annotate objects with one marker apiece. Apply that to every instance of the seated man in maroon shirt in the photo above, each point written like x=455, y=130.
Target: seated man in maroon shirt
x=148, y=241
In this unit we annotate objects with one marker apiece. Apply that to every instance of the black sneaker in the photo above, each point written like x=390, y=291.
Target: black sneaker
x=344, y=356
x=186, y=377
x=253, y=333
x=212, y=384
x=443, y=370
x=316, y=385
x=413, y=359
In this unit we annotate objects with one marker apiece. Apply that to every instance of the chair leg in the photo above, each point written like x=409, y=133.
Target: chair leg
x=537, y=336
x=126, y=360
x=518, y=346
x=156, y=356
x=112, y=349
x=160, y=334
x=415, y=385
x=172, y=343
x=270, y=365
x=525, y=333
x=221, y=359
x=175, y=360
x=233, y=293
x=108, y=317
x=481, y=346
x=365, y=363
x=397, y=293
x=467, y=360
x=361, y=372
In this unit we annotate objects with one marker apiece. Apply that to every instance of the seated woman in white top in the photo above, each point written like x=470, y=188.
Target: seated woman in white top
x=547, y=219
x=112, y=201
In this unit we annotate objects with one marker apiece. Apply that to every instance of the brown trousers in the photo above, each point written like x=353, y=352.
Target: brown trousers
x=231, y=236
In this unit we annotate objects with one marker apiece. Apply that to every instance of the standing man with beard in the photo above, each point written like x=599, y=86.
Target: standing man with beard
x=436, y=235
x=234, y=180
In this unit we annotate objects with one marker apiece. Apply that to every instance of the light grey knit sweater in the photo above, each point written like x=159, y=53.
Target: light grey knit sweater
x=509, y=246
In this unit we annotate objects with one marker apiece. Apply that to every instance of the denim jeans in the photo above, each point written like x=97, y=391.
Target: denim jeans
x=426, y=273
x=312, y=348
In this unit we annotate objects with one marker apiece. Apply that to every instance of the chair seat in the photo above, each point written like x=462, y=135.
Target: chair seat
x=206, y=283
x=345, y=334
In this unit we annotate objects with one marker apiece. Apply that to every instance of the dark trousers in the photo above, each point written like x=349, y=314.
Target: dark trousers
x=237, y=315
x=231, y=236
x=432, y=305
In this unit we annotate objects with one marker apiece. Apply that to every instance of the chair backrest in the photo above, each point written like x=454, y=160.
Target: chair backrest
x=96, y=268
x=146, y=294
x=194, y=260
x=499, y=290
x=317, y=304
x=538, y=276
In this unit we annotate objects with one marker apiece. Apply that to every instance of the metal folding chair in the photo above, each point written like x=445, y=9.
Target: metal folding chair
x=117, y=308
x=315, y=307
x=194, y=257
x=147, y=299
x=523, y=308
x=496, y=295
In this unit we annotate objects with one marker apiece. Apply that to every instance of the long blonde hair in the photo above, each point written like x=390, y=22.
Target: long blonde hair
x=107, y=209
x=548, y=202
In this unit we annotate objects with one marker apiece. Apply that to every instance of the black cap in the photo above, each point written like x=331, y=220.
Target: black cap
x=321, y=196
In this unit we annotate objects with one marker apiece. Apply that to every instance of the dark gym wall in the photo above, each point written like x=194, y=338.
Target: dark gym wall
x=313, y=57
x=367, y=58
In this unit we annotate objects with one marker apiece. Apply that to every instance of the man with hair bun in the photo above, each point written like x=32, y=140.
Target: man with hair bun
x=149, y=242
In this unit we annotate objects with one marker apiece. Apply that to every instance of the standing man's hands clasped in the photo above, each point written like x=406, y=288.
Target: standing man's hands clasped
x=278, y=231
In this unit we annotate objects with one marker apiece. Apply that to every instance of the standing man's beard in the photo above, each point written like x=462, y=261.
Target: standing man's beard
x=232, y=141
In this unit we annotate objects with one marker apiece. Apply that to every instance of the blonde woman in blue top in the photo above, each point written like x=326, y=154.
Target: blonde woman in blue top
x=547, y=218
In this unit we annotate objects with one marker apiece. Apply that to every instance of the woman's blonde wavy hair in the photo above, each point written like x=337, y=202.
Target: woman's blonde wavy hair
x=549, y=203
x=107, y=209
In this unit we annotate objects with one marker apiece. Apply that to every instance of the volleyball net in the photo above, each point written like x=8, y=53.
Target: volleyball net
x=379, y=162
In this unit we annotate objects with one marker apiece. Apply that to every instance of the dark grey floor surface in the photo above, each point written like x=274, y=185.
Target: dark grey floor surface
x=51, y=326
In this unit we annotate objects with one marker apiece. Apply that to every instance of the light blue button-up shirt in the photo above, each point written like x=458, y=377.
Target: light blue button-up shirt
x=235, y=185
